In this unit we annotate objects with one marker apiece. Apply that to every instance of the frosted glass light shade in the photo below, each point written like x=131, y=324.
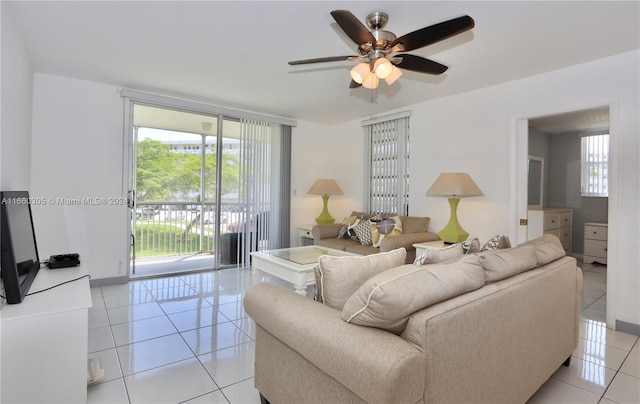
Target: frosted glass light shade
x=360, y=72
x=371, y=81
x=394, y=75
x=382, y=68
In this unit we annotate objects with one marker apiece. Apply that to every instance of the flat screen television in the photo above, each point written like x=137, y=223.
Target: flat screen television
x=20, y=261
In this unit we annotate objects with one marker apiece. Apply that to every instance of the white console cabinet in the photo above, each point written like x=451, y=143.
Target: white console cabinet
x=44, y=341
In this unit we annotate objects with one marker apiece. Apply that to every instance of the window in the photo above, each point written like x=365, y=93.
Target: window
x=387, y=174
x=595, y=166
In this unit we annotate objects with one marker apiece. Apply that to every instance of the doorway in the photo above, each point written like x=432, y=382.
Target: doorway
x=560, y=132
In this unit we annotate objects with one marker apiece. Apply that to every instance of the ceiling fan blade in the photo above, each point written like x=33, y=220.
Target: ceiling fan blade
x=432, y=34
x=353, y=84
x=321, y=60
x=353, y=27
x=421, y=65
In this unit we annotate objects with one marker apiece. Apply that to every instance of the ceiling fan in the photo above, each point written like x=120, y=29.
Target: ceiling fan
x=382, y=54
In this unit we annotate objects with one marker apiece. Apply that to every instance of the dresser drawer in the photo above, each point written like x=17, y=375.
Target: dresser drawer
x=595, y=232
x=551, y=221
x=566, y=219
x=596, y=248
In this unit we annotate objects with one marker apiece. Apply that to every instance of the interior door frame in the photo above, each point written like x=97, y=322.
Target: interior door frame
x=519, y=128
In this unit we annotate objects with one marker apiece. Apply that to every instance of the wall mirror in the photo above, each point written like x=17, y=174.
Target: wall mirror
x=535, y=183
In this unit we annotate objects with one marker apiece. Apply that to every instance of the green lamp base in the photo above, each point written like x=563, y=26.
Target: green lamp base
x=325, y=217
x=453, y=232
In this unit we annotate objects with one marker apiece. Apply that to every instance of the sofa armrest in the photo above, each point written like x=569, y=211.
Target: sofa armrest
x=406, y=240
x=321, y=231
x=374, y=364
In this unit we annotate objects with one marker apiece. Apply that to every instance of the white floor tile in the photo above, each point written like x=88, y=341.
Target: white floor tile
x=247, y=326
x=134, y=313
x=110, y=364
x=108, y=393
x=183, y=304
x=631, y=365
x=624, y=389
x=598, y=332
x=556, y=391
x=212, y=398
x=207, y=339
x=600, y=354
x=233, y=311
x=152, y=353
x=131, y=286
x=97, y=303
x=231, y=365
x=100, y=339
x=128, y=298
x=242, y=393
x=98, y=318
x=192, y=319
x=136, y=331
x=586, y=375
x=172, y=383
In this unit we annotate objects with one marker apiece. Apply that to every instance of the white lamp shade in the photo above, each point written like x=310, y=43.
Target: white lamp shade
x=360, y=72
x=325, y=187
x=456, y=185
x=382, y=68
x=394, y=75
x=371, y=81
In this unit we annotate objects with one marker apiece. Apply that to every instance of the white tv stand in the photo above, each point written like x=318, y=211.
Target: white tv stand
x=44, y=341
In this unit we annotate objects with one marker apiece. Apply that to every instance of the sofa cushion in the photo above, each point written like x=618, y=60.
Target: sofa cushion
x=413, y=224
x=388, y=227
x=337, y=278
x=548, y=247
x=387, y=299
x=504, y=263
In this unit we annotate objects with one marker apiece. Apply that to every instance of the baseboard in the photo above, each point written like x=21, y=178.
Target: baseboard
x=629, y=328
x=94, y=283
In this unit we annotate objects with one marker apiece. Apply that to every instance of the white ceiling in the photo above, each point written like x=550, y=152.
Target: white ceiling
x=235, y=53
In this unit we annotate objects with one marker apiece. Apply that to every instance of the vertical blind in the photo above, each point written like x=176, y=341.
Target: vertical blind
x=595, y=166
x=264, y=175
x=387, y=172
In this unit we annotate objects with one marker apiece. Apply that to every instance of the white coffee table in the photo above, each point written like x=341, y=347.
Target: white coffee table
x=293, y=265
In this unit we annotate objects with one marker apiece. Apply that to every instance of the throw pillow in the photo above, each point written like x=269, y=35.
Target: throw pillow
x=387, y=299
x=496, y=242
x=471, y=245
x=337, y=278
x=388, y=227
x=434, y=256
x=347, y=225
x=363, y=232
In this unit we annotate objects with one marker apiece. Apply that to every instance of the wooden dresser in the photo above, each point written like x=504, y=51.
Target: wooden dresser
x=551, y=221
x=595, y=243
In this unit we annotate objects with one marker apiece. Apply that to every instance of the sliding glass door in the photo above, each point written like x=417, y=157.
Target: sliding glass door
x=205, y=187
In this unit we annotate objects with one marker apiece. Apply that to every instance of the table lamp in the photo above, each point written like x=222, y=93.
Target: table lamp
x=325, y=188
x=454, y=186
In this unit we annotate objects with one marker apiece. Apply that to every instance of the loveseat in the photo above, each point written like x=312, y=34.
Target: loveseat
x=493, y=327
x=342, y=236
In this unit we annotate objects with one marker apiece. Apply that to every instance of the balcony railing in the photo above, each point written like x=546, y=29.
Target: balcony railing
x=176, y=228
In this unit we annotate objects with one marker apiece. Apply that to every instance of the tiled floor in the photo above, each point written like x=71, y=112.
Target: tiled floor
x=186, y=338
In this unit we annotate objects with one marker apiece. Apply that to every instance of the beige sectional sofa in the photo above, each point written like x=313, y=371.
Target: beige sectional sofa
x=493, y=327
x=414, y=230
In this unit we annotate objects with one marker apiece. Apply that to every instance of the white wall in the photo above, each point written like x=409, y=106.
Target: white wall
x=15, y=140
x=77, y=153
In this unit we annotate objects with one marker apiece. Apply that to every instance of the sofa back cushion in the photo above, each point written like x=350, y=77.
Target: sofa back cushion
x=388, y=299
x=337, y=278
x=548, y=248
x=504, y=263
x=413, y=224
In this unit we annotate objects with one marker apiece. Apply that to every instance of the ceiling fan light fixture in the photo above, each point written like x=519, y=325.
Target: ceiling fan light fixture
x=360, y=72
x=371, y=81
x=382, y=67
x=394, y=75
